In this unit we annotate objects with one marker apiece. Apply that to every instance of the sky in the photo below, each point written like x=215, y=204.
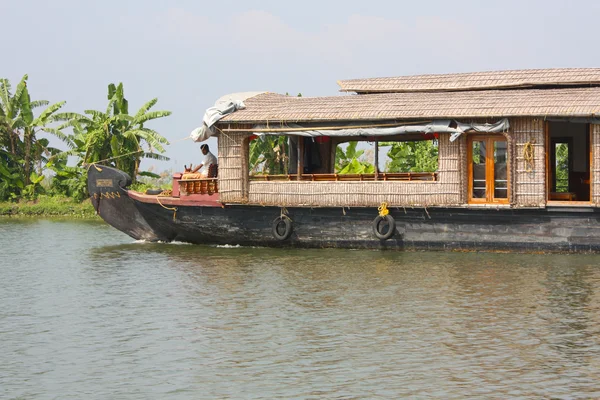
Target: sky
x=190, y=53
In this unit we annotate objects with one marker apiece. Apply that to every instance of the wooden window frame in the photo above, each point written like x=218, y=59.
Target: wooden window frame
x=489, y=171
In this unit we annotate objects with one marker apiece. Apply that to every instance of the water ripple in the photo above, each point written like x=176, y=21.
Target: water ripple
x=88, y=313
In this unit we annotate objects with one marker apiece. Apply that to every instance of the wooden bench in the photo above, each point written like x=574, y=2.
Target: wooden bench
x=563, y=196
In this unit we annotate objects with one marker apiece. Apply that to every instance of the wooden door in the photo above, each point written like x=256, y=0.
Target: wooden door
x=487, y=157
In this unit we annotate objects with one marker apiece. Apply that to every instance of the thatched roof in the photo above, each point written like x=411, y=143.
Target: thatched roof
x=531, y=78
x=275, y=108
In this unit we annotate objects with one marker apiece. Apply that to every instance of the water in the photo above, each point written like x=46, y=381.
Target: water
x=88, y=313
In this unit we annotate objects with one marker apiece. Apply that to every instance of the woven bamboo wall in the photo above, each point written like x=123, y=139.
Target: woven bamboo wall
x=595, y=176
x=528, y=181
x=446, y=191
x=233, y=175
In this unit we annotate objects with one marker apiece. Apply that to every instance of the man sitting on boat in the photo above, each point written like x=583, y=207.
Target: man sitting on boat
x=208, y=168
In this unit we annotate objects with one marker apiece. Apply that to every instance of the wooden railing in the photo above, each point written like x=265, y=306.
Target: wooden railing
x=199, y=186
x=382, y=176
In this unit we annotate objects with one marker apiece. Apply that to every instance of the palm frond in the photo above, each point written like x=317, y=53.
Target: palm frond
x=145, y=108
x=151, y=137
x=152, y=115
x=44, y=117
x=124, y=117
x=155, y=156
x=157, y=136
x=5, y=95
x=58, y=133
x=97, y=114
x=149, y=174
x=71, y=116
x=24, y=102
x=67, y=153
x=109, y=107
x=20, y=92
x=38, y=103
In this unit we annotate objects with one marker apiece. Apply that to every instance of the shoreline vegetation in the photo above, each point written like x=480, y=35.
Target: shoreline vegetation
x=39, y=179
x=49, y=207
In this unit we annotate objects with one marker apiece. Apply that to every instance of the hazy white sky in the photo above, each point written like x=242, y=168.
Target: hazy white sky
x=189, y=53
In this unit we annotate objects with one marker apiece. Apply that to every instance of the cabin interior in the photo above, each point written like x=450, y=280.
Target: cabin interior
x=569, y=155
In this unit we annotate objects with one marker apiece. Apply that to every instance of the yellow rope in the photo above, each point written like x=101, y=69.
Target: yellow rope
x=174, y=209
x=383, y=210
x=283, y=213
x=107, y=195
x=528, y=156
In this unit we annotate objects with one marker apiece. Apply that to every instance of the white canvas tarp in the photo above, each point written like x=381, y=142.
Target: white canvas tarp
x=231, y=103
x=439, y=126
x=223, y=107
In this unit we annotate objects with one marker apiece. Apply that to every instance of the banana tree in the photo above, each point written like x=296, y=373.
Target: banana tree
x=19, y=126
x=115, y=137
x=349, y=161
x=10, y=108
x=269, y=155
x=412, y=156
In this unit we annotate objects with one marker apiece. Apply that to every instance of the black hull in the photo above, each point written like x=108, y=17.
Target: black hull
x=556, y=229
x=106, y=187
x=416, y=229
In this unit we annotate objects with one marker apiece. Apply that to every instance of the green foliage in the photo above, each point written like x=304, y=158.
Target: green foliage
x=357, y=167
x=414, y=156
x=349, y=161
x=49, y=206
x=562, y=168
x=150, y=180
x=114, y=134
x=269, y=155
x=114, y=137
x=20, y=149
x=11, y=178
x=34, y=188
x=68, y=181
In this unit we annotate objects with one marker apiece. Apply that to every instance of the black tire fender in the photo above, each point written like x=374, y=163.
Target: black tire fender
x=377, y=227
x=288, y=228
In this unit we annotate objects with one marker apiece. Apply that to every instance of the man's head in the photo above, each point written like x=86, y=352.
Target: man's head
x=204, y=149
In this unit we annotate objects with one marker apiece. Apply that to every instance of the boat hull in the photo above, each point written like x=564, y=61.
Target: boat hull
x=206, y=221
x=416, y=229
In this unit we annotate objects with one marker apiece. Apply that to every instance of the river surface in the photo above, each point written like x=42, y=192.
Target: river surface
x=88, y=313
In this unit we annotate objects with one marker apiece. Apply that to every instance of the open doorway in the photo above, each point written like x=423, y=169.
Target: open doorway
x=568, y=150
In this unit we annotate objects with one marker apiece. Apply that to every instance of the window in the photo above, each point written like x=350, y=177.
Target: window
x=335, y=158
x=269, y=155
x=488, y=175
x=412, y=156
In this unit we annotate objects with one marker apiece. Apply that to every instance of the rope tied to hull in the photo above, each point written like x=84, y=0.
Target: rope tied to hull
x=174, y=209
x=284, y=213
x=529, y=156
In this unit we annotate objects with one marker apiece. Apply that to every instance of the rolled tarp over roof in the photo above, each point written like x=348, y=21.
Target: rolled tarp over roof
x=455, y=128
x=223, y=107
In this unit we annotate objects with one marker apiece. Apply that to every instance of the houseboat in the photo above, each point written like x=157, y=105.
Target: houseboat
x=518, y=168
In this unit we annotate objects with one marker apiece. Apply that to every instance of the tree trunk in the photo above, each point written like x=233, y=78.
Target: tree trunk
x=11, y=135
x=27, y=139
x=135, y=170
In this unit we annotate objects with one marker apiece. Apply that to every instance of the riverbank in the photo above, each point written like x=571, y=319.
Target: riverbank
x=49, y=206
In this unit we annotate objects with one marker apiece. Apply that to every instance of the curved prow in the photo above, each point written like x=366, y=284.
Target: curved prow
x=108, y=191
